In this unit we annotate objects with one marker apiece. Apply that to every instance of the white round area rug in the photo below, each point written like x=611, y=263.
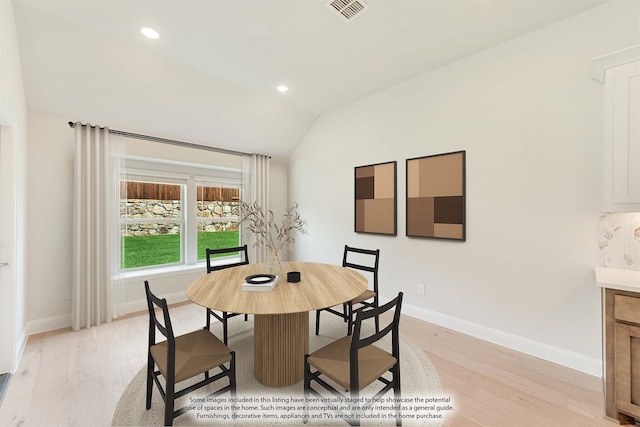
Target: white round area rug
x=422, y=400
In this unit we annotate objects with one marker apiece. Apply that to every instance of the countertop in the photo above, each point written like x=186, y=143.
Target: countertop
x=616, y=278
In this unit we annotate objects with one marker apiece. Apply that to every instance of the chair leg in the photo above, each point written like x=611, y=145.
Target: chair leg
x=318, y=322
x=208, y=320
x=246, y=317
x=169, y=402
x=397, y=392
x=307, y=383
x=354, y=418
x=224, y=328
x=377, y=319
x=150, y=365
x=349, y=317
x=232, y=382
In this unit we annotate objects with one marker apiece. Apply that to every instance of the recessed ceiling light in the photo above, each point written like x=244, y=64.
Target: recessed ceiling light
x=282, y=88
x=150, y=32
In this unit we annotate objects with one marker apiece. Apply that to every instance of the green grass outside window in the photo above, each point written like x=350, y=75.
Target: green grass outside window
x=143, y=251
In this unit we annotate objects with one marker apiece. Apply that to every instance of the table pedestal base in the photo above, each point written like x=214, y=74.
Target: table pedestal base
x=280, y=343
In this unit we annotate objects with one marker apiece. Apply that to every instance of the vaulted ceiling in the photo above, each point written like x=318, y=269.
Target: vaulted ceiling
x=211, y=77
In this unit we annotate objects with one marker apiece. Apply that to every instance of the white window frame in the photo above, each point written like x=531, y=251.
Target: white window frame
x=188, y=176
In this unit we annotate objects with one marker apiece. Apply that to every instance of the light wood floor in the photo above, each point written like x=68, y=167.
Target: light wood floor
x=76, y=378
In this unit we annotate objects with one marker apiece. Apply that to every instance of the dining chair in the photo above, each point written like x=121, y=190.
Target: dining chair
x=179, y=358
x=368, y=298
x=352, y=363
x=244, y=259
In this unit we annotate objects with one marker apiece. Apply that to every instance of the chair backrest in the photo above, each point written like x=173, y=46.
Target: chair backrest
x=244, y=257
x=373, y=256
x=358, y=341
x=163, y=326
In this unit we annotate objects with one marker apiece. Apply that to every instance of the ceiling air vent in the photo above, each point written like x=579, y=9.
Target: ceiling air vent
x=348, y=10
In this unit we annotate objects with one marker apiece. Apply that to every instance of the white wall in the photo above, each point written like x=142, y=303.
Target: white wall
x=13, y=121
x=50, y=173
x=50, y=189
x=529, y=117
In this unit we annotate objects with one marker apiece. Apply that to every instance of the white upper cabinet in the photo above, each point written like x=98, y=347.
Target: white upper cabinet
x=620, y=74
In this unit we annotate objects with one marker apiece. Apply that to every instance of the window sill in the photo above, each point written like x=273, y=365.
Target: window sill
x=152, y=273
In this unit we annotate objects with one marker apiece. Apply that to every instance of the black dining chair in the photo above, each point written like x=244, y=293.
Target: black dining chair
x=211, y=266
x=352, y=363
x=179, y=358
x=368, y=298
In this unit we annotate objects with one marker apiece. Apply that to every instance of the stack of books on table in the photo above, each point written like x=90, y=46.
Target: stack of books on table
x=260, y=285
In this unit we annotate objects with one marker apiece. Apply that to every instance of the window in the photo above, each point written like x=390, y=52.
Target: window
x=151, y=223
x=217, y=213
x=169, y=218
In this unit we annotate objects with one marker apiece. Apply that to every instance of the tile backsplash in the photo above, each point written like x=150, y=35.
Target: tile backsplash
x=619, y=240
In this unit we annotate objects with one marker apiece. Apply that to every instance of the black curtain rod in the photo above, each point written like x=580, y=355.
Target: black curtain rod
x=168, y=141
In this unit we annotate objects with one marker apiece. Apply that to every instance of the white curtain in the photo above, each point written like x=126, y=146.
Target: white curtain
x=95, y=225
x=255, y=183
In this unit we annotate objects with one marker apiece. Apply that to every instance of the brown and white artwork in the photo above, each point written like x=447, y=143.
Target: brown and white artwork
x=436, y=196
x=375, y=199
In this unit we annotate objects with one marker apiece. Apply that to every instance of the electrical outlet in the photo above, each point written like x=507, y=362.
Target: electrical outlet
x=67, y=294
x=420, y=289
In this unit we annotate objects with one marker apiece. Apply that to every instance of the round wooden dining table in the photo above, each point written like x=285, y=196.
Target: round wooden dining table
x=281, y=315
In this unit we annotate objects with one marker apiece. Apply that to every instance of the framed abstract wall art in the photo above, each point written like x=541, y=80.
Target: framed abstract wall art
x=375, y=199
x=436, y=196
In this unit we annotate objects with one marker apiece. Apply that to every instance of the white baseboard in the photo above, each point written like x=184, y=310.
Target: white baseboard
x=48, y=324
x=141, y=304
x=64, y=320
x=21, y=344
x=560, y=356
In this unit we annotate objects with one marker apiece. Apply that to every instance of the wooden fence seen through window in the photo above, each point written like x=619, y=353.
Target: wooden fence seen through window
x=146, y=190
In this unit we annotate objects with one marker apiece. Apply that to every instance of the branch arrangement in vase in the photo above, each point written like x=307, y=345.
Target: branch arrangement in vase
x=274, y=237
